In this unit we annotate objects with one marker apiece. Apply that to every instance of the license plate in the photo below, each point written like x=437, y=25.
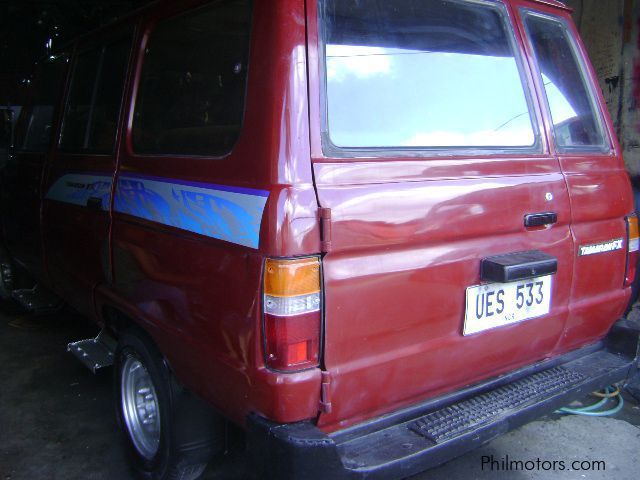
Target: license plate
x=497, y=304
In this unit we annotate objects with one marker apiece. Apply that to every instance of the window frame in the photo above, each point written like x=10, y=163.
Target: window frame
x=585, y=76
x=330, y=150
x=149, y=26
x=24, y=121
x=101, y=46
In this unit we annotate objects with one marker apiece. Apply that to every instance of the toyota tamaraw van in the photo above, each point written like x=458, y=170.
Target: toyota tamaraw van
x=373, y=234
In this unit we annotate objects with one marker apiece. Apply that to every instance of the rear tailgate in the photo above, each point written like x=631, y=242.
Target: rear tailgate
x=403, y=254
x=411, y=222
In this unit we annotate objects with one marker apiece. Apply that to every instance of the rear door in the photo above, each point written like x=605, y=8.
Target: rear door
x=591, y=161
x=76, y=212
x=429, y=152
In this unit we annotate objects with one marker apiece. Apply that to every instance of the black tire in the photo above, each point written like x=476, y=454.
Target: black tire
x=190, y=432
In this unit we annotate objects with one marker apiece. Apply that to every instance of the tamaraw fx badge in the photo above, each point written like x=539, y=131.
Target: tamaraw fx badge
x=603, y=247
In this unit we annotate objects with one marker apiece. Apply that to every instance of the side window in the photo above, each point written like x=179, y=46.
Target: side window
x=35, y=127
x=91, y=115
x=76, y=116
x=192, y=89
x=573, y=109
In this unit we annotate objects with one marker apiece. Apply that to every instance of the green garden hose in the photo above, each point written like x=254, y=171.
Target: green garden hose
x=592, y=410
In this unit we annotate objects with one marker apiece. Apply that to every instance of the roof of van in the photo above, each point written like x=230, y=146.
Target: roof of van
x=554, y=3
x=154, y=4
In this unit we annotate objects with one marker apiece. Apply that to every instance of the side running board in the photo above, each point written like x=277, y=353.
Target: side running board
x=37, y=300
x=94, y=353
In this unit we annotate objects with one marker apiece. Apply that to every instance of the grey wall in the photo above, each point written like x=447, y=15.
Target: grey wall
x=611, y=34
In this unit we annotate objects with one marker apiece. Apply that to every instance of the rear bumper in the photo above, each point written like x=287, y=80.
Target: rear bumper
x=423, y=436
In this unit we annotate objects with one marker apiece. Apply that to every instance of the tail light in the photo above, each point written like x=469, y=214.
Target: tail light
x=633, y=245
x=292, y=313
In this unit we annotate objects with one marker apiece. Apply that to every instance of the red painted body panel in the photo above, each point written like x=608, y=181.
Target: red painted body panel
x=76, y=238
x=407, y=238
x=395, y=289
x=207, y=292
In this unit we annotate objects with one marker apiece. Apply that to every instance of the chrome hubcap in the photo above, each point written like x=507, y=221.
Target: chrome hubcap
x=140, y=407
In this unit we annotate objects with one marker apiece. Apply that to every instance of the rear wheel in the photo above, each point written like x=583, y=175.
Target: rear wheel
x=140, y=407
x=168, y=432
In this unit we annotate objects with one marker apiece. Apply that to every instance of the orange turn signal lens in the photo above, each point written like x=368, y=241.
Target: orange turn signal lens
x=286, y=278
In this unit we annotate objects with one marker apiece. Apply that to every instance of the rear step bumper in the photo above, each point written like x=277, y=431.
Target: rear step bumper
x=423, y=436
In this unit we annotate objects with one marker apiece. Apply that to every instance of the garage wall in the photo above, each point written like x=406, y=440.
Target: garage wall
x=630, y=109
x=611, y=32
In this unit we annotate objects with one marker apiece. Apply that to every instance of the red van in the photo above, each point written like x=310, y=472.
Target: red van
x=374, y=234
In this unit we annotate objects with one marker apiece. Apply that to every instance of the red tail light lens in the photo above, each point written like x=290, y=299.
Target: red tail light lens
x=292, y=313
x=633, y=245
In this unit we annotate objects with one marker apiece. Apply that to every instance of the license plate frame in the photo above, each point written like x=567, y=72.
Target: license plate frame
x=487, y=309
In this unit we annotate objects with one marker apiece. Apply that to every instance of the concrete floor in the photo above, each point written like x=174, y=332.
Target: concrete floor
x=57, y=420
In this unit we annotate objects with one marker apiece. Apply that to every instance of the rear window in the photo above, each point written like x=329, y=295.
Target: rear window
x=192, y=89
x=576, y=123
x=416, y=74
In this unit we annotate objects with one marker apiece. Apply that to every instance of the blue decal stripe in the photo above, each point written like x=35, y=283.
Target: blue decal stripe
x=78, y=188
x=223, y=212
x=208, y=186
x=227, y=215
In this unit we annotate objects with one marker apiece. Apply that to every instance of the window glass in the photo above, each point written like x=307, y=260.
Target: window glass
x=34, y=130
x=76, y=117
x=191, y=95
x=421, y=74
x=91, y=116
x=5, y=128
x=572, y=107
x=108, y=97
